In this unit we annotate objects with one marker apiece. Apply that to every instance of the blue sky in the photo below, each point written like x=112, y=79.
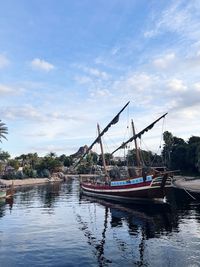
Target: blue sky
x=66, y=65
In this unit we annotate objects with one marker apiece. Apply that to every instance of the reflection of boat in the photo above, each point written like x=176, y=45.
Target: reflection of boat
x=153, y=219
x=145, y=184
x=126, y=227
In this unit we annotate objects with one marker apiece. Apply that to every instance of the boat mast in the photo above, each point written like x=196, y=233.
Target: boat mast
x=102, y=154
x=136, y=146
x=112, y=122
x=138, y=135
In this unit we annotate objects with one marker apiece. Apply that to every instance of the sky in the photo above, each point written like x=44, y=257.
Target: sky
x=66, y=65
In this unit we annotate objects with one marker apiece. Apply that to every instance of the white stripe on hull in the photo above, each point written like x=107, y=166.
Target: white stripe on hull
x=121, y=190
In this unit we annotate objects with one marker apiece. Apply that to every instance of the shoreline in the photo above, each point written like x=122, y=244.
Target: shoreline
x=29, y=181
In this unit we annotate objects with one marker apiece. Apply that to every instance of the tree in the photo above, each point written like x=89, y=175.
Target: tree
x=49, y=163
x=32, y=159
x=51, y=155
x=3, y=131
x=68, y=161
x=23, y=159
x=14, y=163
x=4, y=155
x=167, y=149
x=108, y=159
x=194, y=140
x=198, y=159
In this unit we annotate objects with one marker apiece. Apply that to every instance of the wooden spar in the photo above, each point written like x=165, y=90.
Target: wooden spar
x=102, y=154
x=113, y=121
x=136, y=146
x=138, y=135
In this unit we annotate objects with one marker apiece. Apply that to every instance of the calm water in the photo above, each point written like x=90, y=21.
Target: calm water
x=55, y=226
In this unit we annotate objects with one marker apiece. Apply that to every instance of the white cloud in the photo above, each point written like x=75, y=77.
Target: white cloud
x=165, y=61
x=40, y=64
x=177, y=85
x=50, y=148
x=100, y=93
x=4, y=62
x=4, y=89
x=82, y=79
x=11, y=89
x=26, y=112
x=33, y=114
x=197, y=86
x=181, y=18
x=97, y=73
x=93, y=72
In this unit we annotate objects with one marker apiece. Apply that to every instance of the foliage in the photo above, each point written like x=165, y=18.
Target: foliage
x=3, y=130
x=29, y=172
x=4, y=155
x=50, y=163
x=84, y=168
x=67, y=161
x=147, y=158
x=182, y=155
x=108, y=159
x=14, y=163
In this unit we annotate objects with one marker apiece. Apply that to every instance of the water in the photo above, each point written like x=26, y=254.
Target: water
x=55, y=226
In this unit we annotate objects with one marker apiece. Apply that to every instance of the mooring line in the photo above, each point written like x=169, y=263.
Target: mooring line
x=189, y=193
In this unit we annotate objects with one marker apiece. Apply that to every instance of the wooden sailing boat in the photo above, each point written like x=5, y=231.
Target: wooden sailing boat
x=146, y=185
x=6, y=192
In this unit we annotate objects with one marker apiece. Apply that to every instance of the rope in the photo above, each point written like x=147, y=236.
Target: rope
x=189, y=193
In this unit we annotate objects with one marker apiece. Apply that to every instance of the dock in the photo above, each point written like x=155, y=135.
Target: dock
x=187, y=183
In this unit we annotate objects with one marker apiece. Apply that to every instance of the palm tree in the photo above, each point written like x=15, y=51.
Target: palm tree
x=3, y=131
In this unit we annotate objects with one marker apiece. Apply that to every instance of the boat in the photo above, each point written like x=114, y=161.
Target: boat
x=145, y=185
x=6, y=192
x=2, y=193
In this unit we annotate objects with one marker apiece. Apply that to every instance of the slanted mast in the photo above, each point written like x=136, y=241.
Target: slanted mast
x=138, y=135
x=100, y=134
x=138, y=160
x=102, y=154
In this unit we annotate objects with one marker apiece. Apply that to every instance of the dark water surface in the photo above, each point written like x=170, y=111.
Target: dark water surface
x=54, y=226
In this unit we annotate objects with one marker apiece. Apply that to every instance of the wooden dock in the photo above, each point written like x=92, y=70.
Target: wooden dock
x=187, y=183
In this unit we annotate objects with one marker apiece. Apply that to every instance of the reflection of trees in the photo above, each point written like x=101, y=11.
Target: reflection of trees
x=2, y=207
x=49, y=194
x=3, y=203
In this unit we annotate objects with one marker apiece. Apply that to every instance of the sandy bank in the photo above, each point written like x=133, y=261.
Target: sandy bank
x=30, y=181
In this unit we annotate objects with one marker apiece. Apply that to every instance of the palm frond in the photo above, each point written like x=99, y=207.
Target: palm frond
x=3, y=130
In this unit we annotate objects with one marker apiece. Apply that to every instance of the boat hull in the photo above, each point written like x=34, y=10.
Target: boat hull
x=146, y=191
x=3, y=194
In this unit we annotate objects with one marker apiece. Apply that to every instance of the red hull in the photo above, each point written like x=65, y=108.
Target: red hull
x=145, y=190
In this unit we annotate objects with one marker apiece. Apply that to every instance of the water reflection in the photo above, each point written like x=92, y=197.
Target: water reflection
x=142, y=222
x=3, y=204
x=56, y=226
x=48, y=194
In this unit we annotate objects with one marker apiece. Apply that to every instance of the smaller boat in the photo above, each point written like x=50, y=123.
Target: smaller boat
x=7, y=192
x=2, y=192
